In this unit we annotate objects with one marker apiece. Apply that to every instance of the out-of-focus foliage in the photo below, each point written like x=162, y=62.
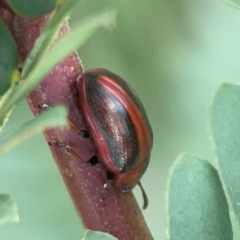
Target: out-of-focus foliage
x=8, y=210
x=174, y=53
x=233, y=3
x=225, y=129
x=53, y=117
x=33, y=8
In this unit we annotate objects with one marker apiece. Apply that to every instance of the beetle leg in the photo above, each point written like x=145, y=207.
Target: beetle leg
x=93, y=161
x=73, y=153
x=68, y=150
x=110, y=176
x=145, y=198
x=82, y=133
x=72, y=125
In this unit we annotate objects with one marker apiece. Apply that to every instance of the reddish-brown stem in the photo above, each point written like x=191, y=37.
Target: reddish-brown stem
x=101, y=209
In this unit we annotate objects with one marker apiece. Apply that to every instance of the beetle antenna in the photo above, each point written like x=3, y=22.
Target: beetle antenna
x=145, y=198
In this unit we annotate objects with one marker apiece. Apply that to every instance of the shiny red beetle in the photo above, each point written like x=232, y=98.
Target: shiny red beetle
x=119, y=126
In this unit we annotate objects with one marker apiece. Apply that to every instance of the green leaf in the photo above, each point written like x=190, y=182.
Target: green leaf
x=5, y=118
x=41, y=60
x=197, y=206
x=42, y=45
x=62, y=49
x=72, y=41
x=30, y=8
x=8, y=210
x=233, y=3
x=8, y=58
x=225, y=132
x=56, y=116
x=93, y=235
x=48, y=34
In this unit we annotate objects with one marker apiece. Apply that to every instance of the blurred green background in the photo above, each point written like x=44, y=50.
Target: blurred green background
x=174, y=53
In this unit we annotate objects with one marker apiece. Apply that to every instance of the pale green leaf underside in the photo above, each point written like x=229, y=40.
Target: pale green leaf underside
x=93, y=235
x=225, y=131
x=8, y=210
x=48, y=33
x=233, y=3
x=56, y=116
x=196, y=204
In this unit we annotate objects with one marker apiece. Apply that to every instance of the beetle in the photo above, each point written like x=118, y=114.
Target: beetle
x=119, y=125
